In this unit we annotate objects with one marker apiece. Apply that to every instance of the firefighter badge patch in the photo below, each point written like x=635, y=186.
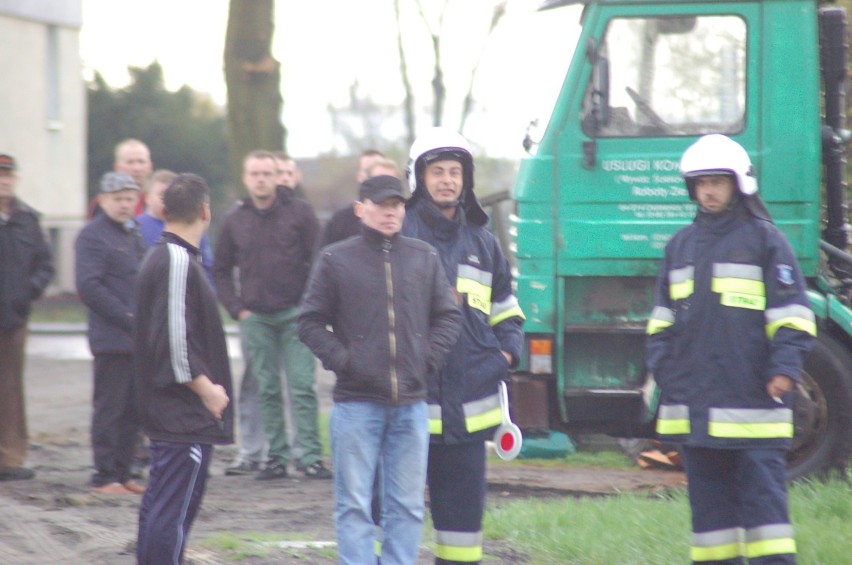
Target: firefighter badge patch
x=785, y=275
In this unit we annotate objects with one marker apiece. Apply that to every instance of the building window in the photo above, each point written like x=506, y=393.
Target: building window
x=52, y=66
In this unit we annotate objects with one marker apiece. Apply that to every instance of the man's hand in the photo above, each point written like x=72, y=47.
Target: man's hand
x=778, y=385
x=213, y=396
x=508, y=357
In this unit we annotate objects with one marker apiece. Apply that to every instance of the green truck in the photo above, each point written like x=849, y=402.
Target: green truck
x=600, y=194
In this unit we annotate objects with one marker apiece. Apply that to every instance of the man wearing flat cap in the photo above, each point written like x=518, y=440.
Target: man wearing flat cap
x=25, y=270
x=108, y=253
x=393, y=318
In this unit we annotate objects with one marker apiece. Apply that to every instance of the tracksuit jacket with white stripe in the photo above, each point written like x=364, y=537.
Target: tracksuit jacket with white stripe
x=731, y=312
x=179, y=336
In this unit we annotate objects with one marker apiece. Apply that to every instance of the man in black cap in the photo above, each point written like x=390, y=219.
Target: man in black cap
x=393, y=319
x=108, y=252
x=25, y=270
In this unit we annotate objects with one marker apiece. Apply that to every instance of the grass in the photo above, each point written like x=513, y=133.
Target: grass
x=655, y=530
x=62, y=308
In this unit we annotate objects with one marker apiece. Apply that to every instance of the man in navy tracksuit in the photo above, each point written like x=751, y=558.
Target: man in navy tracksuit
x=183, y=374
x=727, y=338
x=464, y=404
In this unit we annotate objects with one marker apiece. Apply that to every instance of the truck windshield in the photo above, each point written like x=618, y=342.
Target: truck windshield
x=671, y=76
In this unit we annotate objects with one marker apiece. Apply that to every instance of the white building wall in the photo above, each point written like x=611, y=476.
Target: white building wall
x=43, y=117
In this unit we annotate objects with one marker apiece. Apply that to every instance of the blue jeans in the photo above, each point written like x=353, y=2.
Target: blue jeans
x=365, y=435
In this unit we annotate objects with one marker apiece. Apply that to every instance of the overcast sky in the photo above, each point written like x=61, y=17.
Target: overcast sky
x=324, y=46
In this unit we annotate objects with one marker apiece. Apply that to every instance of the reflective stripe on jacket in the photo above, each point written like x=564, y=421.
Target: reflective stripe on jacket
x=731, y=312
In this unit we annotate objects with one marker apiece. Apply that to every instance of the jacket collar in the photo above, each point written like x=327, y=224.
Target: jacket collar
x=723, y=222
x=376, y=239
x=443, y=227
x=169, y=237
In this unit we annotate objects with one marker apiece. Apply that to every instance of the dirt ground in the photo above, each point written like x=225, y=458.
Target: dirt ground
x=55, y=519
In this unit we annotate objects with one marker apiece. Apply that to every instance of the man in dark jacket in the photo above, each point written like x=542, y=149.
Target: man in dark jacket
x=25, y=270
x=183, y=373
x=269, y=238
x=464, y=400
x=393, y=318
x=108, y=251
x=727, y=338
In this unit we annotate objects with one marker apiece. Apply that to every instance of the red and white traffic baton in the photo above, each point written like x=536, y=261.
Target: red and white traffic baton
x=507, y=438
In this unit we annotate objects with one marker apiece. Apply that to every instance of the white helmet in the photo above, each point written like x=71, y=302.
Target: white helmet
x=716, y=154
x=438, y=143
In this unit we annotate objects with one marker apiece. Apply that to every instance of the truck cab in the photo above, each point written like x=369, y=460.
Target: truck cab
x=601, y=193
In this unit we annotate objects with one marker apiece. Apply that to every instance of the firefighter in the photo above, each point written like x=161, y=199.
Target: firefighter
x=727, y=337
x=463, y=399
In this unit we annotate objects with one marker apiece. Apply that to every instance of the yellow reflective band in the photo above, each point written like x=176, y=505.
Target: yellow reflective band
x=506, y=314
x=750, y=423
x=656, y=326
x=673, y=427
x=681, y=290
x=716, y=553
x=377, y=548
x=738, y=286
x=761, y=548
x=436, y=419
x=460, y=554
x=491, y=418
x=749, y=301
x=751, y=430
x=478, y=294
x=800, y=324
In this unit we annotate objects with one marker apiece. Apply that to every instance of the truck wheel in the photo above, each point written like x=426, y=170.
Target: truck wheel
x=822, y=411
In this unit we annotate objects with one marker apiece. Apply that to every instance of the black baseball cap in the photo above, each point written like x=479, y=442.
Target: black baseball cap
x=381, y=188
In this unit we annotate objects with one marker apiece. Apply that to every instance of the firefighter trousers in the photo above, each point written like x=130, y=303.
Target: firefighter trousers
x=456, y=479
x=738, y=499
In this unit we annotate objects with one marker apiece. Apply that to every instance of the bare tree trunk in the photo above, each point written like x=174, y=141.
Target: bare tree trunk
x=253, y=80
x=467, y=104
x=439, y=90
x=408, y=104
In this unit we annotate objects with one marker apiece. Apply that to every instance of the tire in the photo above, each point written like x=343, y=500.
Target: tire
x=822, y=411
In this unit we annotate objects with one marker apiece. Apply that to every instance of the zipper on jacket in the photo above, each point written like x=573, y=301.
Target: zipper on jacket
x=386, y=247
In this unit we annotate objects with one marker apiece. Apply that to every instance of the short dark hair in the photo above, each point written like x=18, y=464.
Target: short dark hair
x=185, y=197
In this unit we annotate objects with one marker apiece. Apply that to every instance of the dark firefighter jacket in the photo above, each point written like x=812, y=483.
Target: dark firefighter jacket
x=731, y=312
x=391, y=313
x=464, y=402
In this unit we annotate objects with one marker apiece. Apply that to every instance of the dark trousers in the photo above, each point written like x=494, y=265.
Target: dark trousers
x=114, y=419
x=738, y=499
x=13, y=420
x=456, y=479
x=172, y=498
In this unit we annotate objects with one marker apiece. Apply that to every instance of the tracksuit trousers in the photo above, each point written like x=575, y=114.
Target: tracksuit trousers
x=176, y=483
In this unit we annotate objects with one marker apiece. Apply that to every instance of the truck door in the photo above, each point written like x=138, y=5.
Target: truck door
x=653, y=84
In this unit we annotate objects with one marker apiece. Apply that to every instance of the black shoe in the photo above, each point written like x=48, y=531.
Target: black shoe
x=137, y=470
x=317, y=470
x=242, y=468
x=274, y=470
x=16, y=474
